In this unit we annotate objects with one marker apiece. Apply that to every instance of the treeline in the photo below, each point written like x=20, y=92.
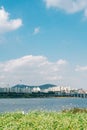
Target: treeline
x=26, y=95
x=38, y=95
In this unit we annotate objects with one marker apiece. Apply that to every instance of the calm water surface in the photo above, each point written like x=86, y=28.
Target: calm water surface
x=49, y=104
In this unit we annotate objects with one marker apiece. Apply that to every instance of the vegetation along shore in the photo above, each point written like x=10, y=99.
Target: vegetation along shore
x=74, y=119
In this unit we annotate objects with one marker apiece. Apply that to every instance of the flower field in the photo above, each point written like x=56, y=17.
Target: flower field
x=75, y=119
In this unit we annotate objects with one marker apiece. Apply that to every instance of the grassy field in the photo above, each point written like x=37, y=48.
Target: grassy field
x=75, y=119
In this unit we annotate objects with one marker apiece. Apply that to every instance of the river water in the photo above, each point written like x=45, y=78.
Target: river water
x=49, y=104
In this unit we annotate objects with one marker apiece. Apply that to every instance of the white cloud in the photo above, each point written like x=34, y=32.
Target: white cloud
x=81, y=68
x=36, y=70
x=31, y=69
x=62, y=62
x=36, y=30
x=7, y=24
x=69, y=6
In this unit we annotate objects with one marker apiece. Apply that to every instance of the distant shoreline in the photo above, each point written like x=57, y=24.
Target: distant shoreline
x=40, y=95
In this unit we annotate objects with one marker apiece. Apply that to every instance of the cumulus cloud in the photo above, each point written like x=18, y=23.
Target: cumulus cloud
x=81, y=68
x=62, y=62
x=36, y=30
x=31, y=69
x=36, y=70
x=7, y=24
x=69, y=6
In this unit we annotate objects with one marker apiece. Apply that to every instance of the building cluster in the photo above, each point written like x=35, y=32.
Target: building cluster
x=56, y=89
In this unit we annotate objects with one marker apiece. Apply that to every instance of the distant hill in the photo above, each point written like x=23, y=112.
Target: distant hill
x=45, y=86
x=22, y=86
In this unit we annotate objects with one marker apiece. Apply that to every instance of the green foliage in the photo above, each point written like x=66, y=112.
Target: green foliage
x=75, y=110
x=75, y=119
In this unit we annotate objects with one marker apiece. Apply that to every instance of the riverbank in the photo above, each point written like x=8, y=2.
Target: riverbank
x=40, y=95
x=75, y=119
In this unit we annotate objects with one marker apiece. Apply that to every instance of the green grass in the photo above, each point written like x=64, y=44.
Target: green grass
x=75, y=119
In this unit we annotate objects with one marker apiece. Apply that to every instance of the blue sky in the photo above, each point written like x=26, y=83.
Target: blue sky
x=52, y=31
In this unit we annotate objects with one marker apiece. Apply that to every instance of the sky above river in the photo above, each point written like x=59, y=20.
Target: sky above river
x=43, y=41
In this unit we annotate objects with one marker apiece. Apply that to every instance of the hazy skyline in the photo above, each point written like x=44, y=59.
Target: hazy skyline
x=43, y=41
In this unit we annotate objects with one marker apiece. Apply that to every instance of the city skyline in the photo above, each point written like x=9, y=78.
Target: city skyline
x=43, y=42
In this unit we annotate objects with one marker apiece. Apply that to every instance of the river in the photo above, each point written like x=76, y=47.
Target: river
x=49, y=104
